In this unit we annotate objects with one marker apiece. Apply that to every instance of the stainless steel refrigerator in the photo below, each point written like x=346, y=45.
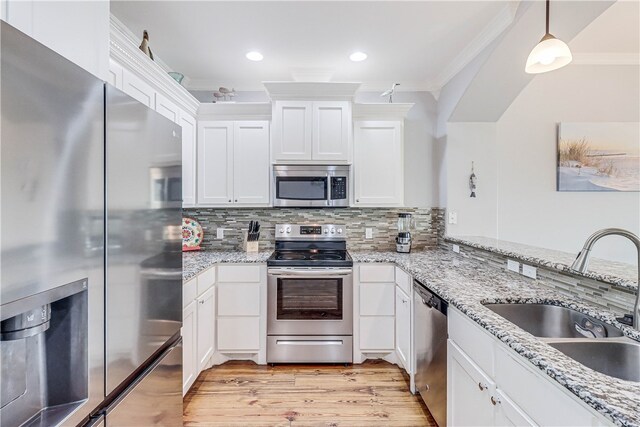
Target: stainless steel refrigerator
x=90, y=261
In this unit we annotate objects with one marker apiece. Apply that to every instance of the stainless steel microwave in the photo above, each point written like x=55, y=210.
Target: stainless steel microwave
x=304, y=186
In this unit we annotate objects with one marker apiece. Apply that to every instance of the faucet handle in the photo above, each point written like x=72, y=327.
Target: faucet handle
x=627, y=319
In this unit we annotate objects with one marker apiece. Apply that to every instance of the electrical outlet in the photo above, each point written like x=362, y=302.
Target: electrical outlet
x=220, y=233
x=529, y=271
x=456, y=249
x=453, y=217
x=368, y=233
x=513, y=266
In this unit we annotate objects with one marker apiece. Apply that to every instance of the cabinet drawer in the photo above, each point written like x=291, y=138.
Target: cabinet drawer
x=238, y=273
x=403, y=280
x=206, y=279
x=472, y=339
x=238, y=333
x=539, y=397
x=189, y=291
x=377, y=299
x=377, y=273
x=377, y=333
x=238, y=299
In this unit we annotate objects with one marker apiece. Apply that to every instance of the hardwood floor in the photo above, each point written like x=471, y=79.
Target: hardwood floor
x=375, y=393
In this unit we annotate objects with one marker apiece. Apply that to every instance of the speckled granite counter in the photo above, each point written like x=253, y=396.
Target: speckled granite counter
x=467, y=284
x=197, y=261
x=615, y=273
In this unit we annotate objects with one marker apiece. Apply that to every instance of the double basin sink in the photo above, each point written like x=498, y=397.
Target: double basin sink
x=593, y=343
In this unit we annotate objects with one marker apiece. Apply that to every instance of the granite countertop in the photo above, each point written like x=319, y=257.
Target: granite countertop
x=613, y=272
x=467, y=284
x=196, y=261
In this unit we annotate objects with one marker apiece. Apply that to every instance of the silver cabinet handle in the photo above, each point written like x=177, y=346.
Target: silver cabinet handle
x=494, y=401
x=482, y=387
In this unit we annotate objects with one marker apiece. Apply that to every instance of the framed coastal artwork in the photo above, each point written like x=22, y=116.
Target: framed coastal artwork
x=599, y=156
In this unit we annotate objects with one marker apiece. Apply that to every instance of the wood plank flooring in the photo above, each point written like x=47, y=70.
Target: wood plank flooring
x=375, y=393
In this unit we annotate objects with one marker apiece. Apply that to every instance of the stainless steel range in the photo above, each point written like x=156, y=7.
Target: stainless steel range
x=310, y=296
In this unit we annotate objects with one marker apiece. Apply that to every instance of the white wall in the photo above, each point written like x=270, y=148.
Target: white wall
x=519, y=196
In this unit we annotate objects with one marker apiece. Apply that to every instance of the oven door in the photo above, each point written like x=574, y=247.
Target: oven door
x=304, y=301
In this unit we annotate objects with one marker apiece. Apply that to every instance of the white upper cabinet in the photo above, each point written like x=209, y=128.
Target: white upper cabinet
x=114, y=76
x=215, y=163
x=311, y=131
x=331, y=131
x=138, y=89
x=251, y=167
x=233, y=163
x=378, y=163
x=167, y=108
x=188, y=124
x=292, y=123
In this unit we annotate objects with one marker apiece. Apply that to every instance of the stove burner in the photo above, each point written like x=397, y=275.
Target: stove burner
x=321, y=256
x=288, y=256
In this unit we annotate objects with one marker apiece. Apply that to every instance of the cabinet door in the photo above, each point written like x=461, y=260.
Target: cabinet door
x=377, y=163
x=376, y=299
x=188, y=124
x=251, y=165
x=238, y=334
x=215, y=163
x=114, y=76
x=238, y=299
x=331, y=130
x=189, y=361
x=469, y=391
x=167, y=108
x=403, y=328
x=508, y=413
x=292, y=123
x=138, y=89
x=377, y=333
x=206, y=327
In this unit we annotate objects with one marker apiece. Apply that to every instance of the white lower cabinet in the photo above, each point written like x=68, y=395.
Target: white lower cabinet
x=403, y=328
x=489, y=385
x=206, y=327
x=189, y=358
x=375, y=286
x=376, y=333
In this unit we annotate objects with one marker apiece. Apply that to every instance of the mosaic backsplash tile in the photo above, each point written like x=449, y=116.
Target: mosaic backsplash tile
x=428, y=233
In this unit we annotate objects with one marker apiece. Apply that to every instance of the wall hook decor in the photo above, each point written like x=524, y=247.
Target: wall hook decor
x=472, y=182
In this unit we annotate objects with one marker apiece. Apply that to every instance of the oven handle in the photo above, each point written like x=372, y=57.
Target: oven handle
x=307, y=273
x=309, y=342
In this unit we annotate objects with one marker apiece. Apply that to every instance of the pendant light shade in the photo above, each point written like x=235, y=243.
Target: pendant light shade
x=548, y=55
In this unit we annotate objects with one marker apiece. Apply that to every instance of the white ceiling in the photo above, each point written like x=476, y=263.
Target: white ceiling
x=420, y=44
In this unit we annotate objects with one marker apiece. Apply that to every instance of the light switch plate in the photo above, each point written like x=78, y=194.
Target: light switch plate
x=529, y=271
x=456, y=249
x=513, y=266
x=453, y=217
x=368, y=233
x=220, y=233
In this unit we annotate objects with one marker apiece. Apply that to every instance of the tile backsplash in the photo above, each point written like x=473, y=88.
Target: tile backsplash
x=428, y=232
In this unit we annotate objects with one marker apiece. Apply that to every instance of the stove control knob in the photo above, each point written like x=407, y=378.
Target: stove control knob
x=339, y=230
x=333, y=231
x=281, y=229
x=326, y=231
x=288, y=229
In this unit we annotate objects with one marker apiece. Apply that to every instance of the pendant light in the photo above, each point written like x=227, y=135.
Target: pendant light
x=548, y=55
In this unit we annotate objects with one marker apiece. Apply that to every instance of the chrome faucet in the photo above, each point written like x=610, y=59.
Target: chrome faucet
x=582, y=260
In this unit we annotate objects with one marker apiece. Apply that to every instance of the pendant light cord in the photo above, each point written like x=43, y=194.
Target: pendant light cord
x=547, y=32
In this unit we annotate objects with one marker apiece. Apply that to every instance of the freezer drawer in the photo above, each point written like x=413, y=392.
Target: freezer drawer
x=155, y=398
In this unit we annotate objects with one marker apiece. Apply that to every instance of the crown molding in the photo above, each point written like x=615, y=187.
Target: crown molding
x=381, y=111
x=490, y=32
x=311, y=90
x=124, y=51
x=235, y=111
x=605, y=59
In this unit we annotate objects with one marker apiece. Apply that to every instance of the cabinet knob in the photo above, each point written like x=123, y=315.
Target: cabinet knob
x=482, y=387
x=357, y=200
x=229, y=200
x=494, y=401
x=236, y=200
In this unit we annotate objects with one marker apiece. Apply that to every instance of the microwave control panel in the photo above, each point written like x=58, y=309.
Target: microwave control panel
x=338, y=187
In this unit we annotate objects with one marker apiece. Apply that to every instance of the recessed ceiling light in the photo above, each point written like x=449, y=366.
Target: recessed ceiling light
x=254, y=56
x=358, y=56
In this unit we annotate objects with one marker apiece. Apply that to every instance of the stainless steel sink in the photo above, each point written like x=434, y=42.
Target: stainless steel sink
x=619, y=359
x=551, y=321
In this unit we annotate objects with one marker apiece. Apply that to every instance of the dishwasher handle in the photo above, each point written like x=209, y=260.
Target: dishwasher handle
x=430, y=299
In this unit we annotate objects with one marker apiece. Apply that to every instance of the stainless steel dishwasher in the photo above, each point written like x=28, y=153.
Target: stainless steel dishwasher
x=430, y=320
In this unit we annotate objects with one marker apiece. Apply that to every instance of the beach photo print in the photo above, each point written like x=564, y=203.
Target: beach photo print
x=599, y=156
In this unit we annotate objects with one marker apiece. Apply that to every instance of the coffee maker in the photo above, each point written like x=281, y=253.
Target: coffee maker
x=403, y=240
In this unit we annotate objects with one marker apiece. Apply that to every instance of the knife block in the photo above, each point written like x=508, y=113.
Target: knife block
x=248, y=246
